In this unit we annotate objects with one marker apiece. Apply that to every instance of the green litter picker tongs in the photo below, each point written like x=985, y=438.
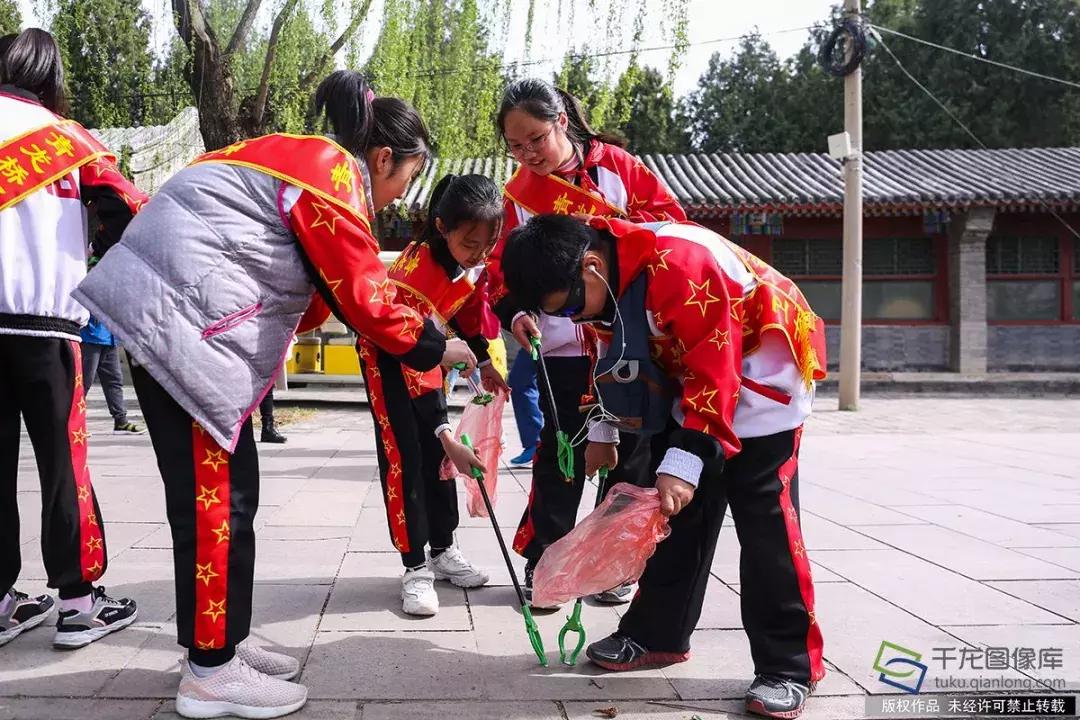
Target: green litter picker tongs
x=573, y=621
x=530, y=624
x=565, y=451
x=480, y=397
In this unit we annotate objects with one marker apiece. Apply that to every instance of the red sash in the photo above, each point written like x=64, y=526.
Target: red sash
x=42, y=156
x=543, y=194
x=423, y=285
x=316, y=164
x=778, y=304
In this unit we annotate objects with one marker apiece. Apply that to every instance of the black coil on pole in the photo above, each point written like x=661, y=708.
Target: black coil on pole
x=844, y=50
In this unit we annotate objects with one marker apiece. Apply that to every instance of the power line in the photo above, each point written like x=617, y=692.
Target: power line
x=965, y=128
x=972, y=56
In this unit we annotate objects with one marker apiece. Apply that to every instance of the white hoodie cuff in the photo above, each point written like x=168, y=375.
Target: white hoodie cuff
x=603, y=432
x=682, y=464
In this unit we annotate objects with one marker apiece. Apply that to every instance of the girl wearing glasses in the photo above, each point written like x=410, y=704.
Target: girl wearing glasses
x=441, y=277
x=566, y=167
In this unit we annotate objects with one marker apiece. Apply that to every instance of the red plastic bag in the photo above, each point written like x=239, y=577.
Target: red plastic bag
x=606, y=549
x=483, y=423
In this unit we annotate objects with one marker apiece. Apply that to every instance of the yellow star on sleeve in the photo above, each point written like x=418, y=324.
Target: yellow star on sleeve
x=701, y=297
x=720, y=339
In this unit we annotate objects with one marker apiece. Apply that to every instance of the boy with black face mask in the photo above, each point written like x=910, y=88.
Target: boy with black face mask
x=713, y=354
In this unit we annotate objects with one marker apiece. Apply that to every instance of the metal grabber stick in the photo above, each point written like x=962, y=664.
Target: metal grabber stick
x=530, y=624
x=564, y=450
x=573, y=621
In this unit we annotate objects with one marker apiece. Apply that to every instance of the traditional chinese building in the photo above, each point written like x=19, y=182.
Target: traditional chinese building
x=971, y=258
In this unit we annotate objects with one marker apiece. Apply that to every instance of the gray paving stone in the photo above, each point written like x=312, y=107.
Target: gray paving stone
x=1070, y=529
x=319, y=508
x=298, y=561
x=846, y=510
x=367, y=597
x=817, y=708
x=481, y=547
x=934, y=594
x=1059, y=596
x=511, y=671
x=966, y=555
x=461, y=711
x=1037, y=637
x=855, y=622
x=313, y=710
x=720, y=667
x=1063, y=557
x=992, y=528
x=77, y=709
x=394, y=665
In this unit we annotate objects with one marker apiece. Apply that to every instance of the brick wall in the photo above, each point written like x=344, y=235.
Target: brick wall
x=1034, y=347
x=895, y=348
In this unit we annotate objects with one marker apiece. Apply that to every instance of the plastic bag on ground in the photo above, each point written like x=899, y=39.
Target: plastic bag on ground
x=483, y=423
x=607, y=549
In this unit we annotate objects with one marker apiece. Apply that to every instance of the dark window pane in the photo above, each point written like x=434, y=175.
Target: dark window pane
x=826, y=257
x=1021, y=255
x=1076, y=255
x=1023, y=300
x=898, y=300
x=789, y=257
x=915, y=256
x=823, y=296
x=1076, y=300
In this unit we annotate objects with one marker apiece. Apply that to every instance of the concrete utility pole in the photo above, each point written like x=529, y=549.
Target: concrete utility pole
x=851, y=309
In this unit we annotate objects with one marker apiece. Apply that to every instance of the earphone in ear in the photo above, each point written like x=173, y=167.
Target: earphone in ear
x=594, y=271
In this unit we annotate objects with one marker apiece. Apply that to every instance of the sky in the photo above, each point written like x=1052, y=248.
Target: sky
x=709, y=20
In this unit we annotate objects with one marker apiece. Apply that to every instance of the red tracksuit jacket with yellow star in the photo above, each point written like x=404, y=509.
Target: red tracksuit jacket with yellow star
x=738, y=337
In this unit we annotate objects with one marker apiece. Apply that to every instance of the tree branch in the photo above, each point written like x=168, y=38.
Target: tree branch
x=354, y=24
x=244, y=26
x=271, y=51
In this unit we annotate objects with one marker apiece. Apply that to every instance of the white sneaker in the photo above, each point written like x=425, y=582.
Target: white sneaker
x=418, y=593
x=236, y=689
x=451, y=565
x=274, y=664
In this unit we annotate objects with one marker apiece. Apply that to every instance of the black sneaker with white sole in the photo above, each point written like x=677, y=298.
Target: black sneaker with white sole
x=776, y=697
x=75, y=629
x=24, y=613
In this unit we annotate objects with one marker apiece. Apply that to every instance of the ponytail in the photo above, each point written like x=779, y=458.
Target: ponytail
x=343, y=98
x=545, y=102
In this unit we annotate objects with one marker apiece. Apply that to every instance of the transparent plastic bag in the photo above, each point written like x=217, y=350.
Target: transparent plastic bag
x=606, y=549
x=483, y=424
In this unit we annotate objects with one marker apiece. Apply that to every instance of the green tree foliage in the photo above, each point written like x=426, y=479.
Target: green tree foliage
x=752, y=102
x=108, y=64
x=651, y=125
x=437, y=55
x=10, y=17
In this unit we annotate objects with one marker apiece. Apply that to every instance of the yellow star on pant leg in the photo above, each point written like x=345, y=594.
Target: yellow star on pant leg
x=92, y=519
x=205, y=572
x=208, y=645
x=207, y=497
x=222, y=532
x=793, y=514
x=799, y=549
x=95, y=568
x=81, y=405
x=196, y=426
x=94, y=543
x=78, y=436
x=215, y=459
x=391, y=493
x=400, y=517
x=84, y=493
x=216, y=610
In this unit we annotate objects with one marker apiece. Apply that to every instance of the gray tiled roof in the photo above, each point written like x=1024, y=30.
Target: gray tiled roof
x=894, y=181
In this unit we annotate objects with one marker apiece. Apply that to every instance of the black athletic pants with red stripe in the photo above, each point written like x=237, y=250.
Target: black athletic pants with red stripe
x=761, y=485
x=553, y=501
x=421, y=508
x=40, y=381
x=211, y=498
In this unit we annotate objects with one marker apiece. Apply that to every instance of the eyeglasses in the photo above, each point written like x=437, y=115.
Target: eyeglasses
x=532, y=146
